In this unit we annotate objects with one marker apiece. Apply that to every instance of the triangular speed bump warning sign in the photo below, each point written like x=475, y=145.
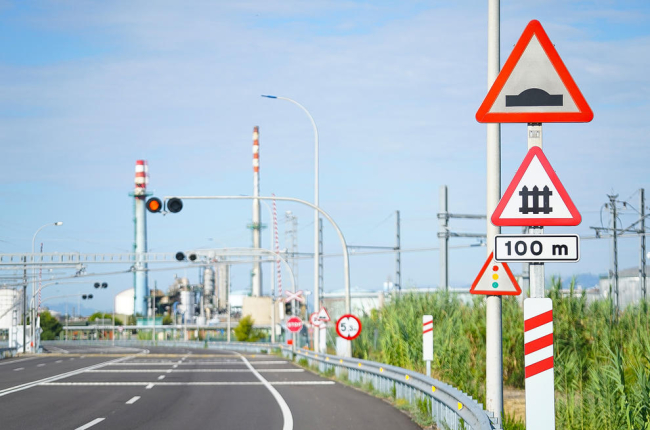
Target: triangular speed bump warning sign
x=323, y=315
x=535, y=197
x=495, y=279
x=534, y=85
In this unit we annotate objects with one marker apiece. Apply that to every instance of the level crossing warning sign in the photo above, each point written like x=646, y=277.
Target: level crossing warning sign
x=495, y=279
x=534, y=85
x=535, y=197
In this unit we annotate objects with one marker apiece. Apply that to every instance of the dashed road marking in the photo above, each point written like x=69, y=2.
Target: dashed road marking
x=18, y=369
x=161, y=377
x=40, y=365
x=90, y=424
x=133, y=400
x=150, y=385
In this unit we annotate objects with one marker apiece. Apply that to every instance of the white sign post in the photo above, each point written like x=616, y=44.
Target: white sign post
x=538, y=362
x=427, y=341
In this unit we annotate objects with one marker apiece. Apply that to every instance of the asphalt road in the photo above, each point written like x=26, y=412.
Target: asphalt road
x=179, y=388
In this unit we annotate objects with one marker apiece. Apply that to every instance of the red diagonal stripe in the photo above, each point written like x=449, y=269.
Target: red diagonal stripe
x=538, y=320
x=539, y=367
x=428, y=322
x=427, y=331
x=537, y=344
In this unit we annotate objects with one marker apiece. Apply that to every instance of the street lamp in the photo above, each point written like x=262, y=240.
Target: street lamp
x=33, y=313
x=316, y=203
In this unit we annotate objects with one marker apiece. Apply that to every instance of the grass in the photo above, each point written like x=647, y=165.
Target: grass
x=602, y=360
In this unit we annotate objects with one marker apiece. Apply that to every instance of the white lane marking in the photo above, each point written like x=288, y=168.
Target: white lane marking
x=40, y=365
x=133, y=400
x=59, y=361
x=72, y=360
x=18, y=369
x=286, y=412
x=90, y=424
x=83, y=356
x=175, y=366
x=17, y=361
x=161, y=377
x=169, y=371
x=149, y=385
x=194, y=363
x=27, y=385
x=197, y=371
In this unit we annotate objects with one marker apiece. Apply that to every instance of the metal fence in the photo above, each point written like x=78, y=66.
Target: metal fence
x=7, y=352
x=449, y=407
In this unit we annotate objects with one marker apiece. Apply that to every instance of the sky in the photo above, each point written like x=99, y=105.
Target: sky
x=87, y=88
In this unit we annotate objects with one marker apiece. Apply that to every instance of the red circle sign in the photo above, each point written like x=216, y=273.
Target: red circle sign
x=348, y=327
x=294, y=324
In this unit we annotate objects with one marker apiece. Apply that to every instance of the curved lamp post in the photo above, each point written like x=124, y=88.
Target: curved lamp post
x=316, y=203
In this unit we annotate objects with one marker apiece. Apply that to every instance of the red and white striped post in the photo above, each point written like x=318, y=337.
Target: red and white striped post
x=427, y=341
x=538, y=362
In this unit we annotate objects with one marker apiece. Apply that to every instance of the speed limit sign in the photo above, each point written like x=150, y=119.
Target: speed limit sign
x=348, y=327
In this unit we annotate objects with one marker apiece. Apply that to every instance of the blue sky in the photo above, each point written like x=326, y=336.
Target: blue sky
x=87, y=88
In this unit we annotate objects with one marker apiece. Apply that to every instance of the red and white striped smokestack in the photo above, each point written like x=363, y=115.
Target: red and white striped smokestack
x=256, y=149
x=141, y=177
x=257, y=219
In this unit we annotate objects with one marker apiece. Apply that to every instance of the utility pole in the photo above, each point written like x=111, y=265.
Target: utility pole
x=642, y=262
x=24, y=305
x=612, y=204
x=444, y=234
x=443, y=237
x=398, y=254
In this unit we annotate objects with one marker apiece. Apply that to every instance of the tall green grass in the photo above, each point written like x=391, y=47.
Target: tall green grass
x=602, y=364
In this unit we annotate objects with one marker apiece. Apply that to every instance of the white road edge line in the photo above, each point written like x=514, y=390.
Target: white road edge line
x=133, y=400
x=149, y=385
x=17, y=361
x=90, y=424
x=286, y=412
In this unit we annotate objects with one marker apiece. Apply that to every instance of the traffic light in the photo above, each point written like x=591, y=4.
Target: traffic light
x=154, y=205
x=174, y=205
x=180, y=256
x=287, y=308
x=87, y=296
x=100, y=285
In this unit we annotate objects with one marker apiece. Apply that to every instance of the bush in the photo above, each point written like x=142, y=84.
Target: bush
x=244, y=332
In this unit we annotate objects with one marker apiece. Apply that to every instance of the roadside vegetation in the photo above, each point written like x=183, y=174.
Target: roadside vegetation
x=602, y=363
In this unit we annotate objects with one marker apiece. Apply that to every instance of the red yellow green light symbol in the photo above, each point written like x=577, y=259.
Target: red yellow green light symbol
x=495, y=276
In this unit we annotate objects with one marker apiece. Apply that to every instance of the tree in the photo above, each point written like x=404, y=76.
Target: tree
x=244, y=332
x=167, y=320
x=106, y=316
x=50, y=325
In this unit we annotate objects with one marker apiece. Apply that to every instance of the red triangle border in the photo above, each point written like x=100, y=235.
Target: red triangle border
x=496, y=219
x=584, y=113
x=496, y=293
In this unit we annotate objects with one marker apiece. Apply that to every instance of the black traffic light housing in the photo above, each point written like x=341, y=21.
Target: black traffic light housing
x=86, y=296
x=154, y=205
x=180, y=256
x=100, y=285
x=174, y=205
x=287, y=308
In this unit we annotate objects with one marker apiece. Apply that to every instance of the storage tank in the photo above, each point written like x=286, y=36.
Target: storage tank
x=187, y=305
x=208, y=282
x=223, y=285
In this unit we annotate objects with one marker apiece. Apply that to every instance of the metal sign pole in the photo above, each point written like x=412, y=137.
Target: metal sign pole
x=493, y=339
x=538, y=334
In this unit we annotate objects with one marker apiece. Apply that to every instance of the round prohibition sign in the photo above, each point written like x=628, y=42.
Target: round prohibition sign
x=348, y=327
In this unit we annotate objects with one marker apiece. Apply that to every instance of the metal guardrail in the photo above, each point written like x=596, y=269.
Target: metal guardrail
x=7, y=352
x=449, y=407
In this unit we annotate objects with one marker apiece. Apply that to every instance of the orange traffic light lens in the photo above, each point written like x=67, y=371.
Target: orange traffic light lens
x=154, y=205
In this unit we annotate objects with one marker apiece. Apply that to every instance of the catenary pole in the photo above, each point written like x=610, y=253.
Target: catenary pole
x=642, y=262
x=494, y=349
